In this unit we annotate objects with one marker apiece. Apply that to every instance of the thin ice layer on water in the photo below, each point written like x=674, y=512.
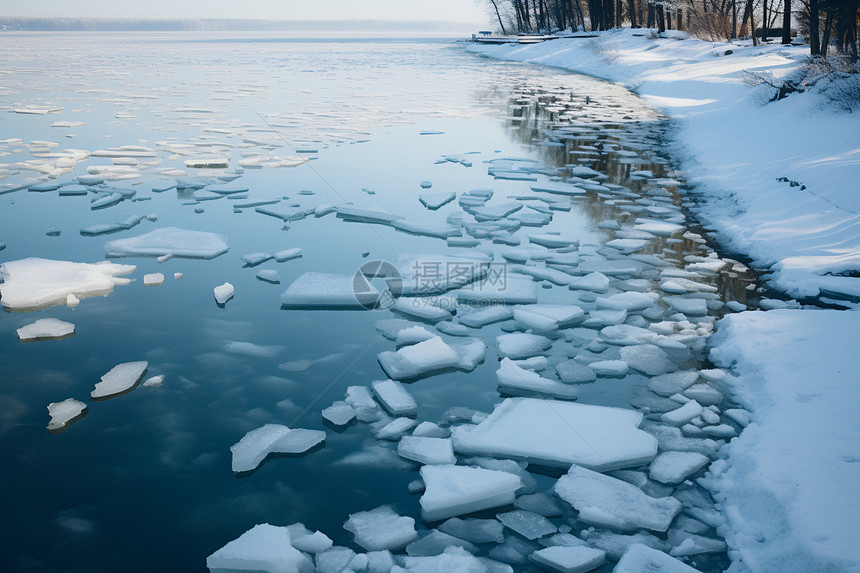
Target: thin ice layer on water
x=169, y=241
x=34, y=284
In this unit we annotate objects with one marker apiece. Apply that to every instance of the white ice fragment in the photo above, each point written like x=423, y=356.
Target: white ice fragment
x=394, y=396
x=288, y=254
x=178, y=276
x=485, y=316
x=571, y=372
x=675, y=467
x=627, y=335
x=169, y=241
x=547, y=317
x=704, y=394
x=254, y=259
x=551, y=241
x=262, y=548
x=613, y=368
x=528, y=524
x=605, y=501
x=434, y=201
x=454, y=559
x=558, y=434
x=516, y=380
x=421, y=308
x=335, y=560
x=323, y=290
x=474, y=530
x=308, y=541
x=72, y=301
x=361, y=400
x=457, y=490
x=510, y=290
x=435, y=543
x=674, y=383
x=593, y=282
x=254, y=446
x=558, y=188
x=269, y=276
x=64, y=413
x=426, y=450
x=35, y=284
x=419, y=359
x=412, y=335
x=629, y=301
x=381, y=528
x=46, y=329
x=121, y=379
x=154, y=381
x=576, y=559
x=394, y=429
x=223, y=293
x=540, y=503
x=521, y=345
x=153, y=279
x=339, y=414
x=688, y=306
x=682, y=415
x=647, y=358
x=639, y=558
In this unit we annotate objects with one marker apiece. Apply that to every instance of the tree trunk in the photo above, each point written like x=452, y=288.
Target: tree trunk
x=661, y=21
x=679, y=23
x=735, y=18
x=786, y=22
x=668, y=19
x=752, y=23
x=825, y=39
x=631, y=7
x=763, y=20
x=651, y=15
x=814, y=40
x=499, y=16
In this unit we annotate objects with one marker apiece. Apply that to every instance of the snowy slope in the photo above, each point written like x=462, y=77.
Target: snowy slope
x=733, y=147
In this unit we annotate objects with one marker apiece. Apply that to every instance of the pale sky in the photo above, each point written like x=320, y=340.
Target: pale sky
x=470, y=11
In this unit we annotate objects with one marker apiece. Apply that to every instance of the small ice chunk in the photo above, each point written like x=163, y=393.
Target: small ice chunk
x=324, y=290
x=474, y=530
x=688, y=306
x=269, y=276
x=223, y=293
x=435, y=543
x=687, y=544
x=288, y=255
x=614, y=368
x=521, y=345
x=339, y=414
x=65, y=413
x=629, y=301
x=434, y=201
x=528, y=524
x=395, y=429
x=511, y=290
x=262, y=548
x=334, y=560
x=46, y=329
x=154, y=381
x=431, y=430
x=609, y=502
x=548, y=317
x=627, y=335
x=569, y=559
x=421, y=308
x=572, y=372
x=557, y=434
x=394, y=396
x=592, y=282
x=178, y=276
x=682, y=415
x=454, y=559
x=121, y=379
x=381, y=528
x=457, y=490
x=254, y=259
x=153, y=279
x=419, y=359
x=256, y=445
x=552, y=241
x=704, y=394
x=361, y=400
x=675, y=467
x=616, y=544
x=412, y=335
x=35, y=284
x=308, y=541
x=670, y=384
x=739, y=416
x=515, y=380
x=540, y=503
x=641, y=558
x=485, y=316
x=647, y=358
x=169, y=241
x=426, y=450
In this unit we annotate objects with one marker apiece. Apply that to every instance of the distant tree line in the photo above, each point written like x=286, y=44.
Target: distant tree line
x=825, y=23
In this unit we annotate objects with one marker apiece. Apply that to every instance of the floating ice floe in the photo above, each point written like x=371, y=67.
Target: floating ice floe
x=34, y=284
x=569, y=559
x=223, y=293
x=169, y=241
x=381, y=529
x=105, y=228
x=262, y=548
x=120, y=380
x=154, y=382
x=288, y=255
x=639, y=558
x=518, y=381
x=647, y=358
x=457, y=490
x=426, y=450
x=257, y=444
x=675, y=467
x=46, y=329
x=519, y=345
x=572, y=372
x=339, y=414
x=548, y=317
x=474, y=530
x=65, y=413
x=396, y=399
x=559, y=434
x=558, y=188
x=605, y=501
x=428, y=357
x=435, y=543
x=330, y=291
x=552, y=241
x=269, y=276
x=500, y=290
x=153, y=279
x=528, y=524
x=613, y=368
x=434, y=201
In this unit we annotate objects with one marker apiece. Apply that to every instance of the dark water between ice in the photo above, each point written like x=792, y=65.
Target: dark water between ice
x=143, y=482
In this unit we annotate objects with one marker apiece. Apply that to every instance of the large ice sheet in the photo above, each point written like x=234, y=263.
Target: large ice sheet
x=559, y=434
x=34, y=284
x=605, y=501
x=121, y=379
x=381, y=528
x=332, y=291
x=457, y=490
x=254, y=446
x=169, y=241
x=262, y=548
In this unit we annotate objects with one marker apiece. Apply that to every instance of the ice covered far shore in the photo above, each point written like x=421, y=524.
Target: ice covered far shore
x=733, y=146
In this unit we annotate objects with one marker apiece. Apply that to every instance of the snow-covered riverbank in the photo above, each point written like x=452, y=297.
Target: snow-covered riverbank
x=788, y=485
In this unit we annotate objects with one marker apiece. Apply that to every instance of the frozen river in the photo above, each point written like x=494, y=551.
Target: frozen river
x=344, y=149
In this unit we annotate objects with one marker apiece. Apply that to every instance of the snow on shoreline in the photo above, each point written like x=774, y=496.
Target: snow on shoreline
x=733, y=147
x=787, y=485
